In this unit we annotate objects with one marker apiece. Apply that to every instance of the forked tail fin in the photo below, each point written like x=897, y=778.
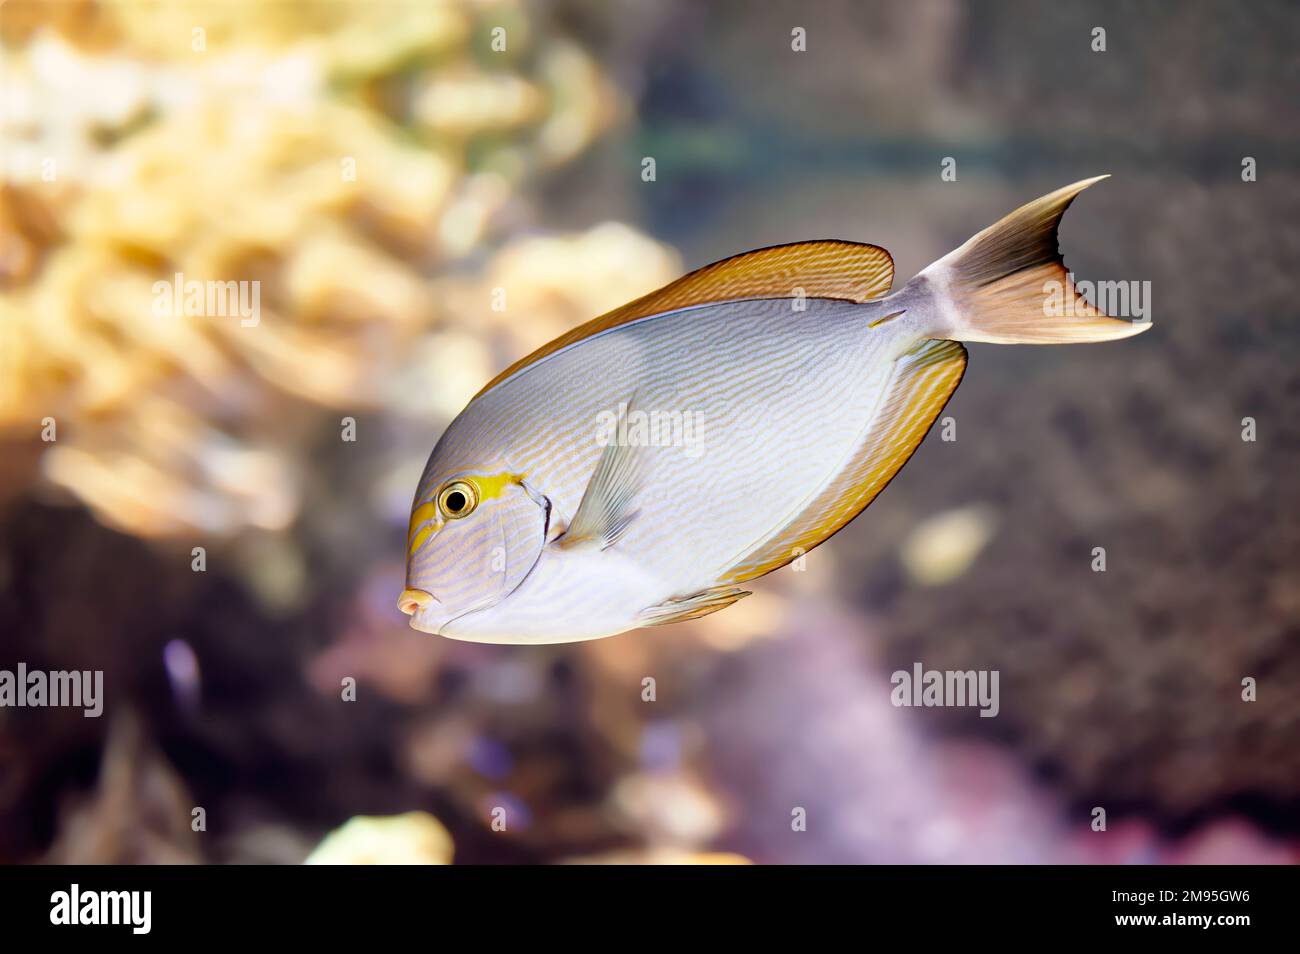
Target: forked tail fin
x=1008, y=284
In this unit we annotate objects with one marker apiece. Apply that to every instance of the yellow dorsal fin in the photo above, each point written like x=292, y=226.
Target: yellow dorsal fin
x=825, y=269
x=921, y=384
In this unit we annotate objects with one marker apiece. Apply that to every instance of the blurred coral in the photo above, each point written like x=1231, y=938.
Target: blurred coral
x=662, y=856
x=941, y=548
x=139, y=812
x=346, y=158
x=415, y=838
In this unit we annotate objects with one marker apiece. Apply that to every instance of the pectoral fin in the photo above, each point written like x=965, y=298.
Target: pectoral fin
x=692, y=607
x=609, y=502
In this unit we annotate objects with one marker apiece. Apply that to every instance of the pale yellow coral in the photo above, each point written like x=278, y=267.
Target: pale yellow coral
x=416, y=838
x=540, y=286
x=335, y=157
x=662, y=856
x=943, y=547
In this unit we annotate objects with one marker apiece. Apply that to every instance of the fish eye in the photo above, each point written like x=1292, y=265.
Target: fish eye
x=458, y=499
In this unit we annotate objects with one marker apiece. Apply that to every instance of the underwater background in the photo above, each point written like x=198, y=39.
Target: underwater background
x=381, y=169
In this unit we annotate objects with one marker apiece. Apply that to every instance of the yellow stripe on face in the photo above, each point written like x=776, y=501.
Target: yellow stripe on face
x=420, y=515
x=425, y=532
x=493, y=486
x=425, y=519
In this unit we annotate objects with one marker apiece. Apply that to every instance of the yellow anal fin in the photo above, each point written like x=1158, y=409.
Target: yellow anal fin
x=922, y=382
x=692, y=607
x=824, y=269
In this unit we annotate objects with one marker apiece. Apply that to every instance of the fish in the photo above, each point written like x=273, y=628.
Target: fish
x=643, y=467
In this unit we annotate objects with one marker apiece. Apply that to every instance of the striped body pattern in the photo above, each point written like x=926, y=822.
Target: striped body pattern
x=637, y=470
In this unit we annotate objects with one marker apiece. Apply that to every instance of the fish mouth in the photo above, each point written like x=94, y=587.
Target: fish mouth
x=422, y=606
x=412, y=601
x=427, y=619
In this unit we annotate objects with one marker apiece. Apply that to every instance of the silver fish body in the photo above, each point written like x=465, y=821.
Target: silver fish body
x=640, y=473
